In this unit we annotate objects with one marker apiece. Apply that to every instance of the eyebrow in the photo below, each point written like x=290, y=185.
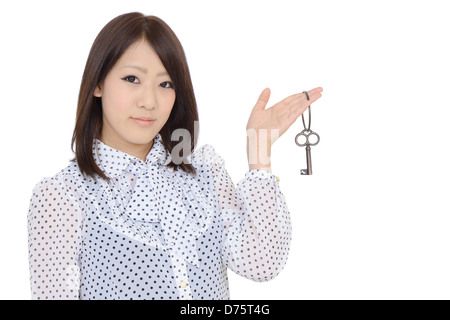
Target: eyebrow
x=162, y=73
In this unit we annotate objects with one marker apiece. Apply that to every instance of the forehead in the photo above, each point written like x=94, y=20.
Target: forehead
x=141, y=54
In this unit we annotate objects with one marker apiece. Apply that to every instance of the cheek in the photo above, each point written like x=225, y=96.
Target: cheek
x=168, y=101
x=116, y=104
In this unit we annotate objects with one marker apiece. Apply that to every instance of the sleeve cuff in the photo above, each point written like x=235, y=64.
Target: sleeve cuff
x=262, y=174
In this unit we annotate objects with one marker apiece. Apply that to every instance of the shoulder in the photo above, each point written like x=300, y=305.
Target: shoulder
x=55, y=197
x=206, y=155
x=68, y=181
x=207, y=162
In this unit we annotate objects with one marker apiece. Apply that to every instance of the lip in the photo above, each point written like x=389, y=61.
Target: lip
x=144, y=122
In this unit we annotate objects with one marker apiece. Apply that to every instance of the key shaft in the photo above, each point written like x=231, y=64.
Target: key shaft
x=308, y=170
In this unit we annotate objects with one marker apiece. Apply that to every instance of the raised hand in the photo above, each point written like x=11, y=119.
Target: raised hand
x=265, y=126
x=281, y=115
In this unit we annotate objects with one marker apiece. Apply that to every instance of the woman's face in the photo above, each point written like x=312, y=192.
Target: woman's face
x=137, y=89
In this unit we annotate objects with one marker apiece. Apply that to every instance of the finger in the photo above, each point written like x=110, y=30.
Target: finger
x=263, y=99
x=300, y=96
x=294, y=97
x=301, y=101
x=314, y=91
x=313, y=97
x=298, y=107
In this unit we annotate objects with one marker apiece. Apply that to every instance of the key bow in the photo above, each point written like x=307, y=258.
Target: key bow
x=307, y=133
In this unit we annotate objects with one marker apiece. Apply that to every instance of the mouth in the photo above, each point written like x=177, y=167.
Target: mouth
x=144, y=121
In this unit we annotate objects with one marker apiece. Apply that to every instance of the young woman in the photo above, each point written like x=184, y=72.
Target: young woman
x=129, y=218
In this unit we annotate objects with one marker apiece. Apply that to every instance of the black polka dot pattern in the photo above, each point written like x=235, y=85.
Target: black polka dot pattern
x=154, y=232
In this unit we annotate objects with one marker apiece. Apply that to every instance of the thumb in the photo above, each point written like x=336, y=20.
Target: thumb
x=262, y=100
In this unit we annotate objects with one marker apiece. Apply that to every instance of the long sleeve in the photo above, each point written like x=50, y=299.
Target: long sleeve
x=256, y=222
x=54, y=241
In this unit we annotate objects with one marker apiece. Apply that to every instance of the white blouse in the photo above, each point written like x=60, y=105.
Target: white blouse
x=154, y=232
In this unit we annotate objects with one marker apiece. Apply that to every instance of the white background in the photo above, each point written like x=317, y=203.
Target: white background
x=372, y=222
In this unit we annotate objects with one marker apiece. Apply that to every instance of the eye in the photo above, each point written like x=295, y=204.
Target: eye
x=167, y=85
x=130, y=77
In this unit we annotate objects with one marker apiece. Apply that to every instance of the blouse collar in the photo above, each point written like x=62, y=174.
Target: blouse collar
x=113, y=162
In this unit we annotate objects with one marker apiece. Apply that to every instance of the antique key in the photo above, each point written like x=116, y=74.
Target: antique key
x=307, y=133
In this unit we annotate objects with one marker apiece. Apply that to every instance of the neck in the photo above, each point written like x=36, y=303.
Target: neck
x=136, y=150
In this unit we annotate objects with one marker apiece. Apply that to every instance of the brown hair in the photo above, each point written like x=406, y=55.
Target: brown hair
x=108, y=47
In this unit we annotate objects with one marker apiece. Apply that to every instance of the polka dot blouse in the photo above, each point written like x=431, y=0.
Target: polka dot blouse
x=153, y=232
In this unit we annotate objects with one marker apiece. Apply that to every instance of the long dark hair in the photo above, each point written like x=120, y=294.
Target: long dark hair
x=112, y=41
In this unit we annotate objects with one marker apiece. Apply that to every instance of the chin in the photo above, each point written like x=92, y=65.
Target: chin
x=140, y=139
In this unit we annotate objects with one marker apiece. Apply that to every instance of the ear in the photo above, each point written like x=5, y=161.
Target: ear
x=98, y=92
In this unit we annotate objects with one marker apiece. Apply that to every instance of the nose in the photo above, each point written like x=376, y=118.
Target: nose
x=148, y=98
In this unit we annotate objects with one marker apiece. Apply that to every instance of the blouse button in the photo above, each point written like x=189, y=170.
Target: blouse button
x=183, y=284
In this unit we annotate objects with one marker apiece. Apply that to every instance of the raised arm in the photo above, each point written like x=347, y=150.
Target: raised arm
x=256, y=222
